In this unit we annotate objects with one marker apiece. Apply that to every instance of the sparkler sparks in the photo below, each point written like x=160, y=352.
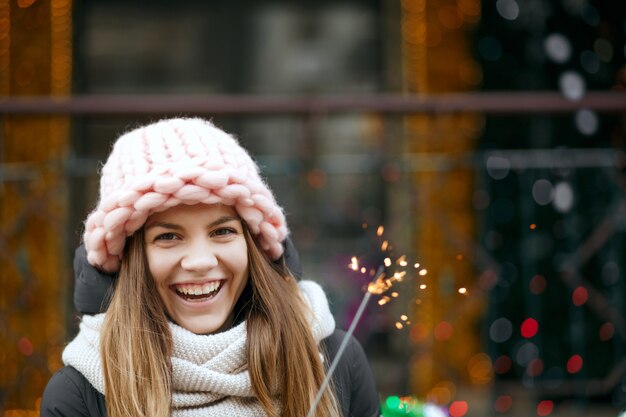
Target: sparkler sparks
x=382, y=280
x=354, y=264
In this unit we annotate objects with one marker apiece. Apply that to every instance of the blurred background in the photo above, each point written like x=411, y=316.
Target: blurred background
x=483, y=141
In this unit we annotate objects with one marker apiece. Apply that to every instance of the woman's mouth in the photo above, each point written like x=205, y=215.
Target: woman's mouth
x=198, y=292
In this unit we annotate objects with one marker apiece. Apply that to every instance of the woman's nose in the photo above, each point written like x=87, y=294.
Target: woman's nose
x=199, y=257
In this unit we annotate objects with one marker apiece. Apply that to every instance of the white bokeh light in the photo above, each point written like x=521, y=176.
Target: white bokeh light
x=501, y=330
x=508, y=9
x=572, y=85
x=526, y=353
x=563, y=197
x=587, y=122
x=557, y=47
x=498, y=167
x=543, y=192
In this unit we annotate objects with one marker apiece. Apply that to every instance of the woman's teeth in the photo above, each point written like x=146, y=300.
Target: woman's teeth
x=198, y=289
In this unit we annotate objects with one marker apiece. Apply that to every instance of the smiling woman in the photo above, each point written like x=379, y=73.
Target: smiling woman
x=205, y=318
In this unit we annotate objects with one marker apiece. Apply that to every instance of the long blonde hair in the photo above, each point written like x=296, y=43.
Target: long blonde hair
x=136, y=342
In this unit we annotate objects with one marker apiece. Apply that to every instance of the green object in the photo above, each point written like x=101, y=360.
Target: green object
x=395, y=406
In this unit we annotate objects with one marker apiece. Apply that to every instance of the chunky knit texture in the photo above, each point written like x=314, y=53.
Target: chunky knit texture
x=171, y=162
x=209, y=372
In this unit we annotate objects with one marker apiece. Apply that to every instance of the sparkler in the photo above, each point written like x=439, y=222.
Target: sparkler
x=379, y=285
x=343, y=345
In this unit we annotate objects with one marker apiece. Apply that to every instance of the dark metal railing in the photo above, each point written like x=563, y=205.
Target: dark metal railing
x=489, y=102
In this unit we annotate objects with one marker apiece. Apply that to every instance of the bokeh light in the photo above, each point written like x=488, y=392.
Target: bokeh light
x=508, y=9
x=574, y=364
x=545, y=407
x=317, y=178
x=586, y=122
x=25, y=346
x=572, y=85
x=543, y=192
x=502, y=364
x=526, y=353
x=442, y=392
x=503, y=403
x=580, y=296
x=606, y=332
x=563, y=197
x=458, y=408
x=529, y=328
x=480, y=369
x=498, y=167
x=535, y=367
x=537, y=284
x=501, y=330
x=557, y=47
x=443, y=331
x=589, y=61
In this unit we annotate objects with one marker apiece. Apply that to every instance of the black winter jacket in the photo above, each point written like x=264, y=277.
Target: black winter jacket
x=69, y=394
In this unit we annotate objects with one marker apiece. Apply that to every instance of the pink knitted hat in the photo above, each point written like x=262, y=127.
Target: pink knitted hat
x=171, y=162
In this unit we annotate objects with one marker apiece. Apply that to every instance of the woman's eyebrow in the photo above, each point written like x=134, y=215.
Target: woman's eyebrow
x=164, y=225
x=221, y=220
x=174, y=226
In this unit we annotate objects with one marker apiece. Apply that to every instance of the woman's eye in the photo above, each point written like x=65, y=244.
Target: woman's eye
x=165, y=236
x=223, y=231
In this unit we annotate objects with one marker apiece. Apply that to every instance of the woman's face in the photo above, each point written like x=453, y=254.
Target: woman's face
x=198, y=258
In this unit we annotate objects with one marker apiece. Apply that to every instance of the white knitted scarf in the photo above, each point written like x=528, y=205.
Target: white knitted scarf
x=209, y=372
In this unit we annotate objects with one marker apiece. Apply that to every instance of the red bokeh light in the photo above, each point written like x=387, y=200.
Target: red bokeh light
x=458, y=408
x=606, y=332
x=529, y=328
x=443, y=331
x=535, y=367
x=580, y=296
x=544, y=408
x=502, y=365
x=503, y=403
x=537, y=284
x=25, y=346
x=574, y=364
x=317, y=178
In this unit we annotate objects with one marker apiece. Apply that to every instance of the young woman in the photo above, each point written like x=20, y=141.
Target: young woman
x=205, y=318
